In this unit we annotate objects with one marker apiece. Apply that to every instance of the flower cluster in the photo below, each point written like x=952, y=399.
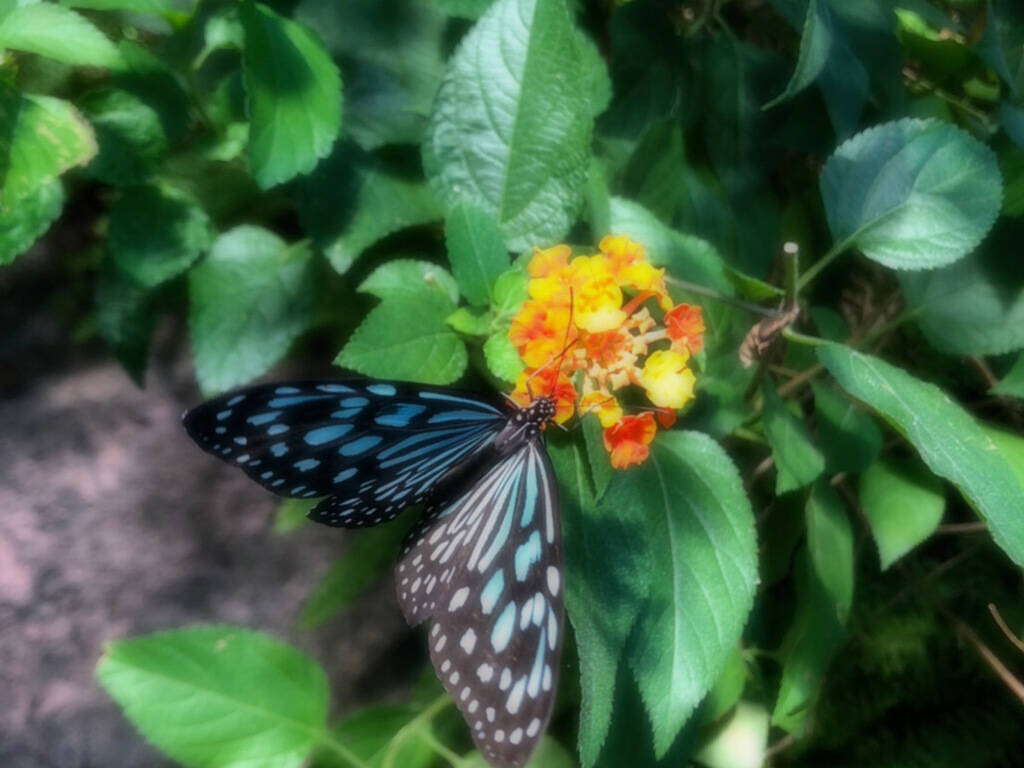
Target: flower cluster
x=589, y=329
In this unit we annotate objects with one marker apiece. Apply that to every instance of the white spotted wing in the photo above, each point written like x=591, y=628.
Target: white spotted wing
x=487, y=569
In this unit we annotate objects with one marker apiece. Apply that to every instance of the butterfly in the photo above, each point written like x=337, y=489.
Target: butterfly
x=483, y=564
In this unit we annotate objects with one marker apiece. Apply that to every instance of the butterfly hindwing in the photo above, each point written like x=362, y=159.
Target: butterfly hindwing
x=486, y=568
x=371, y=447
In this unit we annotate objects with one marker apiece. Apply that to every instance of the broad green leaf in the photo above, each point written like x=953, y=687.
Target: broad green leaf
x=126, y=316
x=129, y=134
x=59, y=33
x=797, y=460
x=1013, y=382
x=1000, y=45
x=156, y=233
x=40, y=138
x=549, y=754
x=368, y=734
x=407, y=279
x=464, y=9
x=290, y=514
x=815, y=47
x=903, y=505
x=976, y=306
x=249, y=300
x=849, y=438
x=911, y=194
x=510, y=130
x=830, y=545
x=651, y=176
x=948, y=439
x=814, y=635
x=407, y=341
x=502, y=358
x=25, y=223
x=703, y=564
x=741, y=742
x=161, y=7
x=597, y=455
x=370, y=556
x=219, y=696
x=510, y=292
x=348, y=203
x=605, y=561
x=476, y=251
x=751, y=288
x=1011, y=448
x=293, y=92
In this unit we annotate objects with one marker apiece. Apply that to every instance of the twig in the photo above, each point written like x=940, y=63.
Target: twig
x=1005, y=675
x=1006, y=630
x=779, y=746
x=958, y=528
x=711, y=293
x=759, y=470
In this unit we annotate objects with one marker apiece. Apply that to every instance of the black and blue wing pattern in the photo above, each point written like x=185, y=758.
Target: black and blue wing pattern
x=486, y=568
x=371, y=447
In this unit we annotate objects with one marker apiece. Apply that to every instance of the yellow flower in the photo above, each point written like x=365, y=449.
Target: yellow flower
x=607, y=408
x=667, y=380
x=597, y=298
x=546, y=261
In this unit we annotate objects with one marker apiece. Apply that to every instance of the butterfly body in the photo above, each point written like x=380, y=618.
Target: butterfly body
x=483, y=563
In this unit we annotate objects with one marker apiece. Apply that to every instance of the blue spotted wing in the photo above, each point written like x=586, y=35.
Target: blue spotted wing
x=485, y=567
x=371, y=447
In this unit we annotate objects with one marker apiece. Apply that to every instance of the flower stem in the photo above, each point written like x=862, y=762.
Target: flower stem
x=820, y=264
x=711, y=293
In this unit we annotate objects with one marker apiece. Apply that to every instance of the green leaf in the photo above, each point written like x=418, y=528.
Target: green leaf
x=740, y=742
x=903, y=505
x=703, y=562
x=597, y=455
x=470, y=323
x=59, y=33
x=976, y=306
x=727, y=688
x=40, y=138
x=510, y=292
x=911, y=194
x=502, y=358
x=290, y=514
x=549, y=754
x=368, y=734
x=22, y=225
x=156, y=233
x=126, y=316
x=751, y=288
x=510, y=130
x=408, y=280
x=948, y=439
x=815, y=47
x=605, y=561
x=219, y=696
x=1010, y=446
x=850, y=439
x=797, y=460
x=830, y=544
x=651, y=176
x=814, y=635
x=1000, y=44
x=293, y=91
x=367, y=559
x=348, y=203
x=249, y=300
x=161, y=7
x=398, y=340
x=1013, y=382
x=476, y=251
x=464, y=9
x=129, y=133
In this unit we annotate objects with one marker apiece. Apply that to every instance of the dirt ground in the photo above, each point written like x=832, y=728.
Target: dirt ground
x=112, y=524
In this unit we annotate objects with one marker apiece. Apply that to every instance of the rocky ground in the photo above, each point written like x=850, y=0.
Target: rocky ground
x=112, y=523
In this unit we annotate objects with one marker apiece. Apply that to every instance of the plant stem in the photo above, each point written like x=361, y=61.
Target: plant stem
x=412, y=726
x=327, y=740
x=791, y=262
x=711, y=293
x=802, y=338
x=812, y=272
x=441, y=749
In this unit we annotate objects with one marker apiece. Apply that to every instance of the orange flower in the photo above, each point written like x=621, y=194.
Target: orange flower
x=578, y=321
x=539, y=331
x=627, y=441
x=685, y=326
x=550, y=381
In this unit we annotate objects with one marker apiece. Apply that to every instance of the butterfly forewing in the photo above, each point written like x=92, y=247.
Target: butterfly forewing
x=371, y=447
x=486, y=568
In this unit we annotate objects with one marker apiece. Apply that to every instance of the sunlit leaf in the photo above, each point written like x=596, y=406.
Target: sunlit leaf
x=797, y=461
x=948, y=439
x=911, y=194
x=60, y=33
x=830, y=545
x=23, y=224
x=476, y=251
x=740, y=742
x=407, y=279
x=219, y=696
x=903, y=505
x=294, y=95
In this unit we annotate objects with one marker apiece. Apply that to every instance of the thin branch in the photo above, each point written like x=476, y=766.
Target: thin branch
x=958, y=528
x=1006, y=630
x=1005, y=675
x=711, y=293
